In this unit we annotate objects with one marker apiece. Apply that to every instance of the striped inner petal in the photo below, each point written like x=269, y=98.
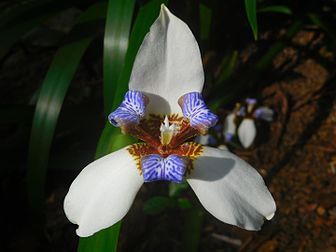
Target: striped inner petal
x=172, y=168
x=130, y=111
x=195, y=109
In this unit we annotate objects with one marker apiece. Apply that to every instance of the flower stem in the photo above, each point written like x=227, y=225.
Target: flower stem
x=193, y=221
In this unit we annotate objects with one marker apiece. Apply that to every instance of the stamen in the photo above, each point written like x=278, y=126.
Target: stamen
x=167, y=131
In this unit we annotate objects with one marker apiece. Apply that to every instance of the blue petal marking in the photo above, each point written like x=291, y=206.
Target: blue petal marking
x=229, y=137
x=195, y=109
x=131, y=109
x=241, y=111
x=259, y=112
x=251, y=101
x=172, y=168
x=264, y=113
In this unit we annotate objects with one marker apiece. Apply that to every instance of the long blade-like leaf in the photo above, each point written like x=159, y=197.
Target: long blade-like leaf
x=283, y=9
x=105, y=240
x=205, y=21
x=251, y=12
x=117, y=30
x=47, y=110
x=111, y=138
x=51, y=97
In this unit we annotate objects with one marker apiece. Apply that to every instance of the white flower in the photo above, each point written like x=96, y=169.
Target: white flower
x=166, y=80
x=247, y=132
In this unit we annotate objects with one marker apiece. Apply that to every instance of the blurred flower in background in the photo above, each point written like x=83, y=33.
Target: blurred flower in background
x=241, y=122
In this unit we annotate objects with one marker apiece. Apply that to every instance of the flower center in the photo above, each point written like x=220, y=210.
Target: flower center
x=167, y=152
x=167, y=131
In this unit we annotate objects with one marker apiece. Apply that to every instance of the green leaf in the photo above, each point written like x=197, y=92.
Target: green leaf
x=176, y=189
x=158, y=204
x=266, y=60
x=117, y=30
x=105, y=240
x=192, y=226
x=47, y=110
x=184, y=203
x=248, y=80
x=205, y=21
x=227, y=66
x=49, y=104
x=111, y=139
x=283, y=9
x=146, y=17
x=251, y=11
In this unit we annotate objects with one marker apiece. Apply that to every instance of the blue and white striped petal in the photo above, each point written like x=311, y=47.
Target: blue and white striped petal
x=172, y=168
x=131, y=109
x=195, y=109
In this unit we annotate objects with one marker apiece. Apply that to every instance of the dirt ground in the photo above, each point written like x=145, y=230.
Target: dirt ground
x=297, y=157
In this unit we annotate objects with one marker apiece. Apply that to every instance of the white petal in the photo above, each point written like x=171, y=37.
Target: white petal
x=223, y=147
x=247, y=132
x=103, y=192
x=168, y=64
x=231, y=190
x=229, y=124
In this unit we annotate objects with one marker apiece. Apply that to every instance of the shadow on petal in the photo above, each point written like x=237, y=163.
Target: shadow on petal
x=216, y=168
x=157, y=105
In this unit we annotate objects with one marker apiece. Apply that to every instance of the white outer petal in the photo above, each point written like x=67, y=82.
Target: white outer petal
x=229, y=124
x=247, y=132
x=103, y=192
x=231, y=190
x=168, y=64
